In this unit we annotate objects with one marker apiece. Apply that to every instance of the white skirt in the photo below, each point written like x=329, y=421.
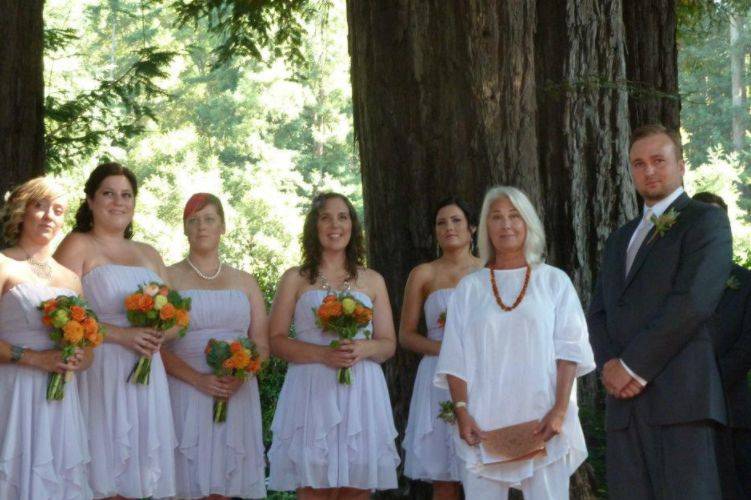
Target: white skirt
x=224, y=458
x=131, y=435
x=43, y=453
x=329, y=435
x=428, y=440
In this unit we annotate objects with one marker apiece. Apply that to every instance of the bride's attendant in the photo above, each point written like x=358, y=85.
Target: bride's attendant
x=43, y=452
x=216, y=460
x=131, y=438
x=332, y=440
x=430, y=454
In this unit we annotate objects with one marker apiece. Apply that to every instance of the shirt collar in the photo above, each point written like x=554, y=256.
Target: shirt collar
x=659, y=208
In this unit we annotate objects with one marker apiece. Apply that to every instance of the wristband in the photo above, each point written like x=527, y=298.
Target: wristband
x=460, y=404
x=16, y=352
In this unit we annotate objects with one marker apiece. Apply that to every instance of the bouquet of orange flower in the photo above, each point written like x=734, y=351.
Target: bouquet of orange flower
x=74, y=325
x=157, y=306
x=239, y=359
x=345, y=316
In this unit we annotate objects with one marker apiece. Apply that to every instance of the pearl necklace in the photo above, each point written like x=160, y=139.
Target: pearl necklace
x=205, y=276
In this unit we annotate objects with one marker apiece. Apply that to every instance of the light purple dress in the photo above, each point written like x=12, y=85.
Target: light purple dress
x=226, y=458
x=326, y=434
x=131, y=437
x=428, y=440
x=43, y=453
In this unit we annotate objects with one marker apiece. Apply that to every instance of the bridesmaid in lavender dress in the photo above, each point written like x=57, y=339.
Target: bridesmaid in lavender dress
x=428, y=442
x=332, y=440
x=43, y=452
x=226, y=459
x=131, y=437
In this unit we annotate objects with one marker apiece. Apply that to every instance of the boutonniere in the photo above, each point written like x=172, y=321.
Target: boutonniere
x=733, y=283
x=663, y=223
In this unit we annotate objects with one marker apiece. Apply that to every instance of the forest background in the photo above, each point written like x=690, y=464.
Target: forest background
x=265, y=129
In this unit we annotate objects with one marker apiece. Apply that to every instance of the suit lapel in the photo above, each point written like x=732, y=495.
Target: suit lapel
x=649, y=242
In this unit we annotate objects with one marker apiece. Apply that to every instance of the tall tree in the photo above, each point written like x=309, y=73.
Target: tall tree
x=21, y=91
x=452, y=98
x=652, y=62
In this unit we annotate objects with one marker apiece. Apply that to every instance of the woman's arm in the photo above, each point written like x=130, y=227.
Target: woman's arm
x=469, y=431
x=552, y=422
x=259, y=323
x=409, y=337
x=204, y=382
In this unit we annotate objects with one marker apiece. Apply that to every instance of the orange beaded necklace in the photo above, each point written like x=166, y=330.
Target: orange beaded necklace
x=519, y=299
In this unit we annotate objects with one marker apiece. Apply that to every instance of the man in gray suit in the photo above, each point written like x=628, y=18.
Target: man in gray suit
x=661, y=277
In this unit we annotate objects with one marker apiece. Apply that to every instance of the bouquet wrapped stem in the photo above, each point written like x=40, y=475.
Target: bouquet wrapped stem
x=156, y=306
x=239, y=359
x=74, y=326
x=344, y=316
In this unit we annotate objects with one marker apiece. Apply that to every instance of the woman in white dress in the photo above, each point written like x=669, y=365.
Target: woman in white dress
x=428, y=441
x=515, y=341
x=131, y=438
x=43, y=449
x=332, y=440
x=215, y=460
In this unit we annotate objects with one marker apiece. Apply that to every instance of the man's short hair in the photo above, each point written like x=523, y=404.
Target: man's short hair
x=711, y=198
x=656, y=129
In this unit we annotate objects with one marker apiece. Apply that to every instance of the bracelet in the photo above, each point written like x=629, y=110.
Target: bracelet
x=460, y=404
x=16, y=351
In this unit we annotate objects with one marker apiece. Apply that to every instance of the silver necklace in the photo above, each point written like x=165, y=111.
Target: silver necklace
x=42, y=270
x=205, y=276
x=325, y=285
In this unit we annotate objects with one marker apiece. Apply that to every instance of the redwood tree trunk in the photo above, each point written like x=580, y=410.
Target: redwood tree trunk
x=652, y=62
x=454, y=97
x=21, y=91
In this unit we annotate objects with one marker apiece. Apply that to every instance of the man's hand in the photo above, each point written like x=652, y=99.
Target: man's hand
x=632, y=389
x=615, y=378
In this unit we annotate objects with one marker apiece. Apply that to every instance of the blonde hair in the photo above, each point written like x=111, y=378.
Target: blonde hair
x=534, y=243
x=14, y=210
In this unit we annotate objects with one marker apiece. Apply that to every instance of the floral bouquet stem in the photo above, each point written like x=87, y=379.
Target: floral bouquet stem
x=344, y=376
x=56, y=381
x=220, y=410
x=141, y=371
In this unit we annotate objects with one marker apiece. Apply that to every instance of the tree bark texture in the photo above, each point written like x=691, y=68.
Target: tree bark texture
x=21, y=92
x=455, y=97
x=652, y=62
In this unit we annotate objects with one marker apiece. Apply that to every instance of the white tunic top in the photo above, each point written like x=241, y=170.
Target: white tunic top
x=508, y=360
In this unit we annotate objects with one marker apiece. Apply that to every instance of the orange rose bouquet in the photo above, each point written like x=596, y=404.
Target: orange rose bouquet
x=239, y=359
x=156, y=306
x=74, y=325
x=344, y=316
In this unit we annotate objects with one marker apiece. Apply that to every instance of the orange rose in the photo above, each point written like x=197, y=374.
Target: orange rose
x=363, y=315
x=73, y=332
x=131, y=302
x=164, y=291
x=94, y=338
x=47, y=321
x=78, y=313
x=50, y=306
x=145, y=302
x=182, y=317
x=242, y=359
x=90, y=326
x=235, y=347
x=167, y=311
x=229, y=363
x=254, y=366
x=329, y=299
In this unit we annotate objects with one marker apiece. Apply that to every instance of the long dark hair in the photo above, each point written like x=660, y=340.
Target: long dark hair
x=311, y=245
x=469, y=214
x=84, y=216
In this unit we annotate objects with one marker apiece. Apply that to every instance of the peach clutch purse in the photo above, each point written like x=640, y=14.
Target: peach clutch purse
x=513, y=443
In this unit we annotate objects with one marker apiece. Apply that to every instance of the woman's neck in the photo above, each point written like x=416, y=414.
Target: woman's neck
x=207, y=260
x=333, y=264
x=107, y=237
x=35, y=251
x=456, y=256
x=509, y=260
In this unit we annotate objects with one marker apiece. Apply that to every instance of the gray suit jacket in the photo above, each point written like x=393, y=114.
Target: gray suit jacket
x=731, y=330
x=655, y=319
